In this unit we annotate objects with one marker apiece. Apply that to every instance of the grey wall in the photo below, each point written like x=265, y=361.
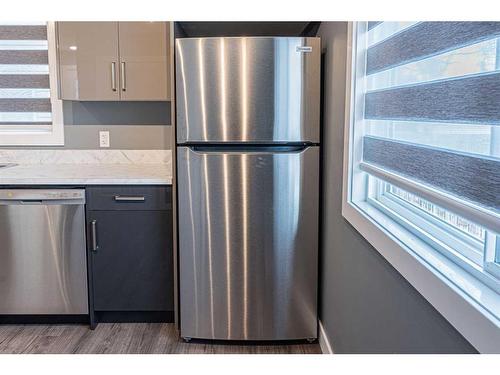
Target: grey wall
x=132, y=125
x=366, y=306
x=116, y=113
x=123, y=137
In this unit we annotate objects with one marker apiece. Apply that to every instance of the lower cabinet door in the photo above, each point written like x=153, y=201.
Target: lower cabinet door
x=132, y=266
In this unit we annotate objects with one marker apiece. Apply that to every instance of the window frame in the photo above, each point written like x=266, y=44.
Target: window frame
x=492, y=254
x=440, y=236
x=430, y=225
x=465, y=301
x=455, y=232
x=54, y=136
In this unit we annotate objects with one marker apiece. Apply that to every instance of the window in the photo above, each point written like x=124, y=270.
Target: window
x=30, y=113
x=422, y=159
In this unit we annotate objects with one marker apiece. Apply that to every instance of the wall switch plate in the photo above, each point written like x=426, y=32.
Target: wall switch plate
x=104, y=139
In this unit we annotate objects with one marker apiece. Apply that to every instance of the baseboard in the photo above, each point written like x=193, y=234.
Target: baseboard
x=324, y=342
x=45, y=319
x=134, y=316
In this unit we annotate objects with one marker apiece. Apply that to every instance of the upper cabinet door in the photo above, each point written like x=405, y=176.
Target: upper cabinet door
x=144, y=64
x=88, y=60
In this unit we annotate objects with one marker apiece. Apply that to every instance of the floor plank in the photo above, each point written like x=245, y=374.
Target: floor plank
x=125, y=338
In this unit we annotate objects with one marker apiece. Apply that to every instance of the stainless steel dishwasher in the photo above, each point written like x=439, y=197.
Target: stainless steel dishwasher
x=43, y=266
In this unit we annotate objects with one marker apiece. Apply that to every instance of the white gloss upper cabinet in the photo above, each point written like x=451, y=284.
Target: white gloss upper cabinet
x=101, y=61
x=144, y=69
x=88, y=57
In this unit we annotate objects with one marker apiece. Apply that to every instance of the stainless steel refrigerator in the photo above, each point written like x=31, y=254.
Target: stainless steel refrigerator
x=248, y=137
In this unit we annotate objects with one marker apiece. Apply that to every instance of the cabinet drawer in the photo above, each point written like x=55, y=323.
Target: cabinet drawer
x=129, y=198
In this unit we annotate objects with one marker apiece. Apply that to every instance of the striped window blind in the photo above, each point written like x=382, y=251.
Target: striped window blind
x=24, y=78
x=426, y=136
x=432, y=107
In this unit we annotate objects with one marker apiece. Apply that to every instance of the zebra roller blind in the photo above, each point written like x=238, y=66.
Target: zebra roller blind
x=24, y=77
x=432, y=106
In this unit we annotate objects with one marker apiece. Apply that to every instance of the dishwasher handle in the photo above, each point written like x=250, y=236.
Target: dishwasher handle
x=42, y=196
x=93, y=235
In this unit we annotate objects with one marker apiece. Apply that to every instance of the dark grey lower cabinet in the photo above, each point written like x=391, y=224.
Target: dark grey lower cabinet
x=130, y=253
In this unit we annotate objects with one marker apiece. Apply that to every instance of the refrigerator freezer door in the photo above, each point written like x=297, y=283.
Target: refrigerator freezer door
x=260, y=90
x=248, y=242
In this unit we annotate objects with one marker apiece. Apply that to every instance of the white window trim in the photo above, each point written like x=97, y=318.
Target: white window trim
x=429, y=275
x=54, y=136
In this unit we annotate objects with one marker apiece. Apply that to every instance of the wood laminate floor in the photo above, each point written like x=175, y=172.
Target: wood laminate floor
x=124, y=338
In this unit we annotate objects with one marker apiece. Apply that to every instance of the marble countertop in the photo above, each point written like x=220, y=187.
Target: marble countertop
x=86, y=174
x=82, y=167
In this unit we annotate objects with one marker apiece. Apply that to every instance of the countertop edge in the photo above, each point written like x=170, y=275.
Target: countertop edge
x=67, y=181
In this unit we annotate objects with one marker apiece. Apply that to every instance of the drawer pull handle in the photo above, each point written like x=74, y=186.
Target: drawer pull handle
x=123, y=198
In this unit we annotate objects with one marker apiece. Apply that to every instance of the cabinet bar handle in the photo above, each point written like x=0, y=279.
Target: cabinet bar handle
x=123, y=77
x=123, y=198
x=93, y=232
x=113, y=76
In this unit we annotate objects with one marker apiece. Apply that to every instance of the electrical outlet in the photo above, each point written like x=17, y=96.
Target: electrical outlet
x=104, y=139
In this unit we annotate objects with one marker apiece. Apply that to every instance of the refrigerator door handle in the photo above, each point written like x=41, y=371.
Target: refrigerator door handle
x=288, y=149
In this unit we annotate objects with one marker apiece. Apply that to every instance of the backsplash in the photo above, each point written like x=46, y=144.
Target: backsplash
x=86, y=156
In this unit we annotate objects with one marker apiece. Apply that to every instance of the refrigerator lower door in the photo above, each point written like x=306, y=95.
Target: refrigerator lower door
x=248, y=243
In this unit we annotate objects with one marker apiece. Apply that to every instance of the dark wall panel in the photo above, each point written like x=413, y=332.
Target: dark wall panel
x=366, y=306
x=216, y=29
